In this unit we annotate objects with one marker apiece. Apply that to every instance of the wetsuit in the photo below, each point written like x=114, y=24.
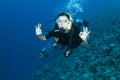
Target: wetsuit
x=70, y=39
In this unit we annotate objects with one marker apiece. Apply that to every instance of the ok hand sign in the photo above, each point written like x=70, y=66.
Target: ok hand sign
x=85, y=34
x=38, y=29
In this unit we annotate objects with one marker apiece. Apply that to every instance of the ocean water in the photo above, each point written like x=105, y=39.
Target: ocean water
x=20, y=48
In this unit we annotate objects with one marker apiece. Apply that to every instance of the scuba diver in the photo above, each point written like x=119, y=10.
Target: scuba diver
x=66, y=32
x=44, y=53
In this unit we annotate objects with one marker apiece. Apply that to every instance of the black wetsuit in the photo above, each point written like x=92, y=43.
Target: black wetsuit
x=70, y=39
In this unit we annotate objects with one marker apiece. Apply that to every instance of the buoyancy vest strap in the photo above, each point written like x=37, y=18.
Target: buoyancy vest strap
x=71, y=38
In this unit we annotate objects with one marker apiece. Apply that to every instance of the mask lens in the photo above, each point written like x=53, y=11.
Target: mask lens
x=58, y=21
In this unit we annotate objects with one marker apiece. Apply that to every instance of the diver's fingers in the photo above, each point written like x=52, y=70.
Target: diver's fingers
x=83, y=29
x=39, y=25
x=86, y=29
x=35, y=27
x=88, y=33
x=80, y=33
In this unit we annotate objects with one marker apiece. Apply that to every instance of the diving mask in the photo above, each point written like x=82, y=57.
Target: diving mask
x=64, y=21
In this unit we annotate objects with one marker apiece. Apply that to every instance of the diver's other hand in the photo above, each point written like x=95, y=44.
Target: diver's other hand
x=85, y=34
x=38, y=29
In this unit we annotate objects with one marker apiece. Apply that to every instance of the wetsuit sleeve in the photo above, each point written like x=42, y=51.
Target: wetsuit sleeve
x=79, y=40
x=52, y=33
x=49, y=35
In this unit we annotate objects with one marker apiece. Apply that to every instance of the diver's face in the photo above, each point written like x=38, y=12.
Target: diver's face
x=62, y=22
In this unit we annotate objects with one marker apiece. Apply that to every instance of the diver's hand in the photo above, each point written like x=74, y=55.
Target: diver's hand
x=85, y=34
x=38, y=29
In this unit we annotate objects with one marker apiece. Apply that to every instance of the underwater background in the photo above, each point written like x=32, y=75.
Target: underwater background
x=20, y=48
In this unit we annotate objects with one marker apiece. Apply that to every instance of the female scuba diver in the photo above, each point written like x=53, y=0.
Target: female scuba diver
x=67, y=32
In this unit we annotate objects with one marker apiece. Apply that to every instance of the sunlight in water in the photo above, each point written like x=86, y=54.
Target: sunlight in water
x=74, y=6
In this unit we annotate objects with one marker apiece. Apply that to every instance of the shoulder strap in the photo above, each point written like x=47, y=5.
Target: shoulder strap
x=71, y=37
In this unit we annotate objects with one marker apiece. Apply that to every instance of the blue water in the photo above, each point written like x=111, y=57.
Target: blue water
x=19, y=47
